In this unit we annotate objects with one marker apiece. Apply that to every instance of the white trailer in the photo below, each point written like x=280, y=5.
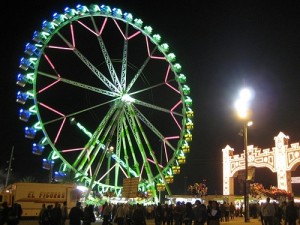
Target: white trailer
x=31, y=196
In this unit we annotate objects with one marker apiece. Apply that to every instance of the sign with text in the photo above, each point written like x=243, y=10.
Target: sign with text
x=295, y=180
x=130, y=187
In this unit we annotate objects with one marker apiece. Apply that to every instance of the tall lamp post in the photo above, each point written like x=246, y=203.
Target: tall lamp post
x=242, y=106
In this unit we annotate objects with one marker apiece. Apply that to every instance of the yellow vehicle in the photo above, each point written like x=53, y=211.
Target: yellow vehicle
x=31, y=196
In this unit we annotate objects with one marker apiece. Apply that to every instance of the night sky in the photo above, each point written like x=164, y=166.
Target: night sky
x=222, y=47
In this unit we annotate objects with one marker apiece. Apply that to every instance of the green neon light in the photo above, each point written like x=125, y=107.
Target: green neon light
x=114, y=156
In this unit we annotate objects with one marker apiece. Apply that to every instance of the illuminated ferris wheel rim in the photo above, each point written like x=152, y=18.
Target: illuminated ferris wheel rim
x=42, y=39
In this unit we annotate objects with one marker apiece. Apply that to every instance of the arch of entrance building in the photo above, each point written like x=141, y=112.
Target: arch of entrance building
x=281, y=159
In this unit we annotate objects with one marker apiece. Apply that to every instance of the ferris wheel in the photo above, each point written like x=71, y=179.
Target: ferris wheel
x=105, y=100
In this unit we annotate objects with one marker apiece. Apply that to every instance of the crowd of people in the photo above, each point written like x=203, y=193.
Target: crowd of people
x=272, y=213
x=181, y=213
x=10, y=215
x=212, y=213
x=79, y=215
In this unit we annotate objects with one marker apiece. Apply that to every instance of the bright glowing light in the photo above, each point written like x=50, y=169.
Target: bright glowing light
x=127, y=98
x=82, y=188
x=242, y=103
x=246, y=94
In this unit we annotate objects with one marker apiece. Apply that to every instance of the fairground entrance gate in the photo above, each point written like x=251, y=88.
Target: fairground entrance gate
x=281, y=159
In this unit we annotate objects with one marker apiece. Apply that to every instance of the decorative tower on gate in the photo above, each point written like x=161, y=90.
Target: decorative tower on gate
x=228, y=180
x=280, y=156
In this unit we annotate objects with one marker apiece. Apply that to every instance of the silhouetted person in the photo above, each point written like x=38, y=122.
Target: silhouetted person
x=46, y=218
x=138, y=216
x=14, y=214
x=268, y=212
x=64, y=213
x=291, y=213
x=88, y=215
x=76, y=214
x=3, y=213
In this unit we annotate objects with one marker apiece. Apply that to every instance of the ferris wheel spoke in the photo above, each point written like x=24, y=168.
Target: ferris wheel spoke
x=151, y=106
x=94, y=141
x=77, y=112
x=124, y=61
x=127, y=139
x=140, y=135
x=77, y=84
x=138, y=138
x=153, y=128
x=110, y=131
x=118, y=150
x=137, y=75
x=90, y=65
x=154, y=159
x=148, y=88
x=109, y=64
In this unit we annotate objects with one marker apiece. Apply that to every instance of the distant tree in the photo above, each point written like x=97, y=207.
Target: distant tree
x=257, y=190
x=2, y=176
x=199, y=189
x=28, y=179
x=2, y=179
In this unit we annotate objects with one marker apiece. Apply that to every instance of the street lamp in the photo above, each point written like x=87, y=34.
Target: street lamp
x=242, y=106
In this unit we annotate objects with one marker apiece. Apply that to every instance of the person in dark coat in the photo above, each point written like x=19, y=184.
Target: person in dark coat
x=214, y=213
x=188, y=215
x=64, y=213
x=14, y=214
x=46, y=217
x=158, y=216
x=3, y=213
x=76, y=214
x=88, y=215
x=200, y=213
x=56, y=214
x=291, y=213
x=139, y=215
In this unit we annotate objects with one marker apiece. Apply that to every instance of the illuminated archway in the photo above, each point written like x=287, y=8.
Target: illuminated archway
x=281, y=159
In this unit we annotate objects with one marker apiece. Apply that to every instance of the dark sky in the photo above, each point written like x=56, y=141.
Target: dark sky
x=221, y=45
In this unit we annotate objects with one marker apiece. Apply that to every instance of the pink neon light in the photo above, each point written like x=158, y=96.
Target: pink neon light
x=85, y=26
x=94, y=32
x=66, y=48
x=120, y=29
x=126, y=38
x=111, y=170
x=103, y=25
x=135, y=34
x=47, y=87
x=106, y=173
x=59, y=113
x=165, y=146
x=142, y=171
x=124, y=172
x=59, y=131
x=49, y=61
x=166, y=79
x=150, y=160
x=52, y=66
x=72, y=150
x=72, y=33
x=60, y=48
x=169, y=138
x=174, y=116
x=51, y=109
x=148, y=50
